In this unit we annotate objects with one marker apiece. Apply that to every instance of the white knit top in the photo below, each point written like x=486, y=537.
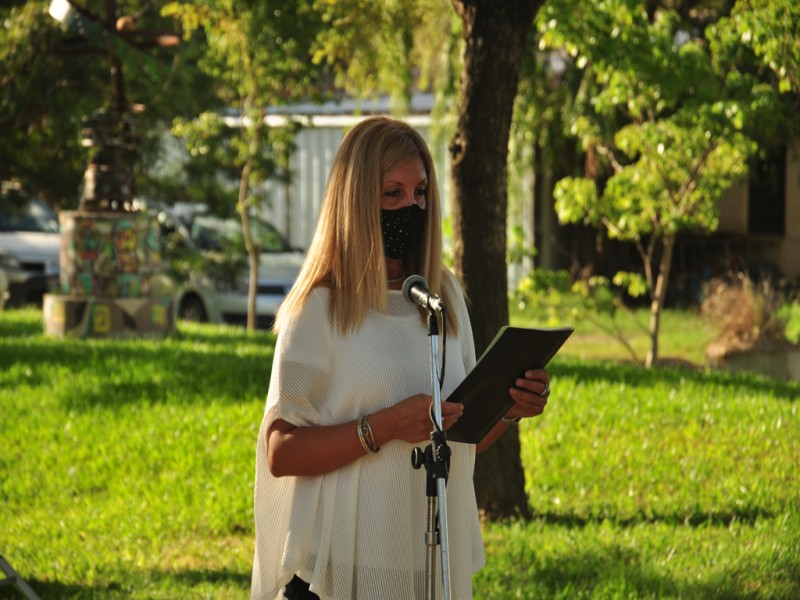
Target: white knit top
x=359, y=532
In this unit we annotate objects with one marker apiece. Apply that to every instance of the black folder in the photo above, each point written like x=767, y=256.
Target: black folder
x=484, y=391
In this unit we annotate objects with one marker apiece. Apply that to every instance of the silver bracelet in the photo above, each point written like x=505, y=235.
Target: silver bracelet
x=365, y=435
x=512, y=420
x=361, y=437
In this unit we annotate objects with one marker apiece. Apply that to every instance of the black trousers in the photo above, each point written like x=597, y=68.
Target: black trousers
x=297, y=589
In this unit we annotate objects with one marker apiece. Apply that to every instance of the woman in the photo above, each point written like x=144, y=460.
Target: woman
x=338, y=506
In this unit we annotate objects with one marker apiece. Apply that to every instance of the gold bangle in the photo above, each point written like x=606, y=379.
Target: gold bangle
x=366, y=436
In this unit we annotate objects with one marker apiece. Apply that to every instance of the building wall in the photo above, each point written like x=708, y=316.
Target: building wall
x=733, y=210
x=781, y=251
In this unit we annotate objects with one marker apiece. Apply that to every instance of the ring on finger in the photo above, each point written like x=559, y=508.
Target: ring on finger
x=545, y=391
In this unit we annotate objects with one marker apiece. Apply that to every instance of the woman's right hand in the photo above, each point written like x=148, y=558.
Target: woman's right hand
x=302, y=451
x=410, y=420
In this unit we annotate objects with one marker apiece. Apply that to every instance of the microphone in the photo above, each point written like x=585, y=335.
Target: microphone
x=415, y=290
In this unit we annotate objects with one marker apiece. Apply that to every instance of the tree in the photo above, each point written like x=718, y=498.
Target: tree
x=53, y=78
x=256, y=52
x=37, y=112
x=682, y=129
x=495, y=35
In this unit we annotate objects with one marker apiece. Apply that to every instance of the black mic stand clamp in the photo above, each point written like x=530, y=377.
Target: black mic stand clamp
x=436, y=460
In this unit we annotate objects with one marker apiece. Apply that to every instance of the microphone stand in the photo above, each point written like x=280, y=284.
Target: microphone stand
x=436, y=459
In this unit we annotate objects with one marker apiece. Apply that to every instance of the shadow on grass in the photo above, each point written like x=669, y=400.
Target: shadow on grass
x=29, y=322
x=181, y=582
x=203, y=363
x=200, y=360
x=639, y=376
x=194, y=578
x=576, y=574
x=621, y=572
x=12, y=327
x=50, y=590
x=695, y=519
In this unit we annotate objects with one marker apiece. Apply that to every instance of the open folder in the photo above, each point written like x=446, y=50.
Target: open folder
x=484, y=391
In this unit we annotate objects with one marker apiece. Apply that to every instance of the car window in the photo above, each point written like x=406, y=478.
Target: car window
x=271, y=240
x=206, y=233
x=212, y=233
x=32, y=216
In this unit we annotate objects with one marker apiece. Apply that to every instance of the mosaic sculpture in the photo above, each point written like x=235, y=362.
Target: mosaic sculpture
x=110, y=253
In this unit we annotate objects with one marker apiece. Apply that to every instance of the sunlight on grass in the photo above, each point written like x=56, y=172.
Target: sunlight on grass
x=684, y=335
x=127, y=471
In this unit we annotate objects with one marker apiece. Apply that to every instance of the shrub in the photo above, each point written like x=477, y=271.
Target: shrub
x=791, y=313
x=750, y=312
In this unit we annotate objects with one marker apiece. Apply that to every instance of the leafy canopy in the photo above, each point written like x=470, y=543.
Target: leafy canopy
x=679, y=136
x=256, y=53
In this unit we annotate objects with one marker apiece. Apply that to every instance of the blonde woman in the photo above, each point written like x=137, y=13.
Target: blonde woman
x=339, y=511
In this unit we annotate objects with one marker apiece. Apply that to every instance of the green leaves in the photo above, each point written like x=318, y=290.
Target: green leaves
x=202, y=134
x=387, y=46
x=770, y=29
x=257, y=54
x=577, y=201
x=633, y=283
x=670, y=107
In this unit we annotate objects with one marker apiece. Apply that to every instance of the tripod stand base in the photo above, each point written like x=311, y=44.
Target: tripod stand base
x=13, y=579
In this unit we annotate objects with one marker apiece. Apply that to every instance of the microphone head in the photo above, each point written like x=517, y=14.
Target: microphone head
x=411, y=282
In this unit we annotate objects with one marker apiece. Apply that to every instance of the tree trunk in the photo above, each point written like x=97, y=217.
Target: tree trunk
x=495, y=34
x=250, y=244
x=659, y=296
x=253, y=246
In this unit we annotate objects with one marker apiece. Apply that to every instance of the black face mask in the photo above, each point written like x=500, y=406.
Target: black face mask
x=401, y=228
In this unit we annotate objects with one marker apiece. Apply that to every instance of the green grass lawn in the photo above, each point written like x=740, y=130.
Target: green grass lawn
x=126, y=471
x=684, y=335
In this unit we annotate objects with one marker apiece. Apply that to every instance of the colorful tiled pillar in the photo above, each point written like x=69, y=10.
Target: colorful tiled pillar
x=110, y=265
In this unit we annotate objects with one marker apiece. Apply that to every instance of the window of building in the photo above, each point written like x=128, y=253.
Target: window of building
x=767, y=192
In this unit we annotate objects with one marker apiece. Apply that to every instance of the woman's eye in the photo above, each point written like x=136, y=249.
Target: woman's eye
x=392, y=193
x=422, y=192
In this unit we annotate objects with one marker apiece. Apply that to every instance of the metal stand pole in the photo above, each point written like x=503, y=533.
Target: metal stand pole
x=436, y=459
x=12, y=578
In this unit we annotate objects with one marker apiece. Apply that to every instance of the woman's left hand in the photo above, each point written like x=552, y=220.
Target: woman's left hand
x=529, y=394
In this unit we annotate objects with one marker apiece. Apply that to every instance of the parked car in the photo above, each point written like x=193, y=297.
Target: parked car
x=29, y=247
x=206, y=268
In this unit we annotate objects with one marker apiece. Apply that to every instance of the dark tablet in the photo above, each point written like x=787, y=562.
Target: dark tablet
x=484, y=391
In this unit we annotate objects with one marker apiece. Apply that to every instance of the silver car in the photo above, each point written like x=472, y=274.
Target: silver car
x=207, y=268
x=29, y=249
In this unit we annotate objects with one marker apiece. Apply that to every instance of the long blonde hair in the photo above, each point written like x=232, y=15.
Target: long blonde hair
x=346, y=254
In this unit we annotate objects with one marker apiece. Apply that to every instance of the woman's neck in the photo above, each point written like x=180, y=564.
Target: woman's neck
x=396, y=273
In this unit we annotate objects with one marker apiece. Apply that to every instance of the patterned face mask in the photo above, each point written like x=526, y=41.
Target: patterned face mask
x=401, y=228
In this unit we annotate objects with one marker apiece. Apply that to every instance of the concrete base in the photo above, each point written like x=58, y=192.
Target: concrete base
x=777, y=360
x=78, y=317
